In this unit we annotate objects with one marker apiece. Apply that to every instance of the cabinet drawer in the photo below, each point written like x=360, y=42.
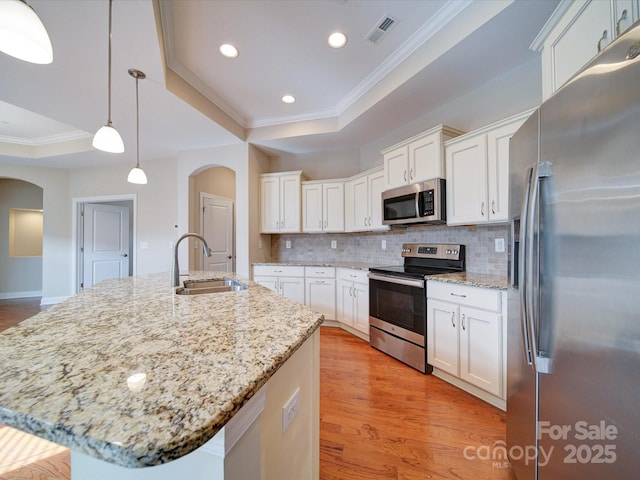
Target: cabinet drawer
x=320, y=272
x=353, y=275
x=278, y=270
x=483, y=298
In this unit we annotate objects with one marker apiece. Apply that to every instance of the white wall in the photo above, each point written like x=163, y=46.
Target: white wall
x=56, y=245
x=320, y=165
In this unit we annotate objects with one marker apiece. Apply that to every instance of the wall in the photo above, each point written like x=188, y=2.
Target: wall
x=320, y=165
x=366, y=246
x=56, y=245
x=259, y=245
x=22, y=276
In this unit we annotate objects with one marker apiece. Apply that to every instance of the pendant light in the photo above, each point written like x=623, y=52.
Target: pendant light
x=107, y=138
x=22, y=34
x=136, y=175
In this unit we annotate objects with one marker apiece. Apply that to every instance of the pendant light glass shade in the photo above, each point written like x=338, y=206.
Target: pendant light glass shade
x=22, y=34
x=137, y=175
x=107, y=138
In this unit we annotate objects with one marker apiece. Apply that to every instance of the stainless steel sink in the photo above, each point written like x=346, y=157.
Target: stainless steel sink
x=199, y=287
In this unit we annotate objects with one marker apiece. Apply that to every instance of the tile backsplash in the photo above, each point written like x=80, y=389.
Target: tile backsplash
x=367, y=246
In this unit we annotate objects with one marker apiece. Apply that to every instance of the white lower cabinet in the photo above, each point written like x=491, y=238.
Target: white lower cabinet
x=353, y=299
x=286, y=280
x=320, y=291
x=466, y=338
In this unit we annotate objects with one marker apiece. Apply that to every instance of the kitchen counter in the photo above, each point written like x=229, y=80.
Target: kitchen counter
x=483, y=280
x=130, y=373
x=304, y=263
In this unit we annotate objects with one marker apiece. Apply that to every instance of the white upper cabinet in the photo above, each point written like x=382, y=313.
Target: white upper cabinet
x=477, y=167
x=363, y=201
x=323, y=206
x=575, y=33
x=417, y=159
x=280, y=202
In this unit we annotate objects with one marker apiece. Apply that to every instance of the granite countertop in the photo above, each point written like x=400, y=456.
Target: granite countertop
x=498, y=282
x=316, y=263
x=130, y=373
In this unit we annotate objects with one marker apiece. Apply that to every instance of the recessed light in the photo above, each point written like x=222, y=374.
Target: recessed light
x=288, y=99
x=337, y=40
x=228, y=50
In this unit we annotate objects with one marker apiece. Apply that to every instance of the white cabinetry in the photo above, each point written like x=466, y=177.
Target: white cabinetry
x=363, y=201
x=477, y=166
x=321, y=290
x=353, y=299
x=323, y=206
x=575, y=33
x=286, y=280
x=417, y=159
x=280, y=202
x=466, y=342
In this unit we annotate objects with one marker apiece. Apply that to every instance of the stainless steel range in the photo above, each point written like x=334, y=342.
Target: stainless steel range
x=398, y=301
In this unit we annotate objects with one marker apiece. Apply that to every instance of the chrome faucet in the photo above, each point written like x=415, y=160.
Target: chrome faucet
x=176, y=268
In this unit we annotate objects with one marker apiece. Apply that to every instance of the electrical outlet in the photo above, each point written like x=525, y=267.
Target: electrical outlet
x=499, y=245
x=384, y=244
x=334, y=244
x=287, y=244
x=290, y=409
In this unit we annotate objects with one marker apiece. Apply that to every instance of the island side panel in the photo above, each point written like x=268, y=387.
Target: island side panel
x=294, y=453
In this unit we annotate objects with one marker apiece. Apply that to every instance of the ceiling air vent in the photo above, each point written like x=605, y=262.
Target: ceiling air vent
x=381, y=29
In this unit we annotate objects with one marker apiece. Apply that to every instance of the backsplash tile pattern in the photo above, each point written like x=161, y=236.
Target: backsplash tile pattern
x=366, y=246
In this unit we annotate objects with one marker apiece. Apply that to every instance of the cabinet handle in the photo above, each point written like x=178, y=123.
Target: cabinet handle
x=482, y=209
x=457, y=295
x=453, y=316
x=493, y=207
x=351, y=291
x=463, y=327
x=622, y=17
x=405, y=175
x=411, y=173
x=278, y=271
x=325, y=224
x=602, y=39
x=355, y=292
x=319, y=223
x=370, y=221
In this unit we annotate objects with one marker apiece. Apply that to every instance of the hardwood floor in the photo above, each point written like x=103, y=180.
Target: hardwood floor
x=379, y=419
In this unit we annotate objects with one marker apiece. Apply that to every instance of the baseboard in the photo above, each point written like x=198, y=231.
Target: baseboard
x=52, y=300
x=29, y=294
x=346, y=328
x=473, y=390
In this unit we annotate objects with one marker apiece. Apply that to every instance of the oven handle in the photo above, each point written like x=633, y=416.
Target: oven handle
x=396, y=280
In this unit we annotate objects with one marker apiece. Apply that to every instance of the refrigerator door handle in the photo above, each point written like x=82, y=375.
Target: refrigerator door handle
x=522, y=270
x=542, y=364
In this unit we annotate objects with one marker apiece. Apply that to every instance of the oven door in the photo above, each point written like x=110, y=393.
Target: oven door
x=398, y=306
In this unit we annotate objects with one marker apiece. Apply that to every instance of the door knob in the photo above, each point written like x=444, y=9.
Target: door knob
x=125, y=255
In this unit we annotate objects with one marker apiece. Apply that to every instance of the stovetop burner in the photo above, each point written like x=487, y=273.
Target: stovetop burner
x=426, y=259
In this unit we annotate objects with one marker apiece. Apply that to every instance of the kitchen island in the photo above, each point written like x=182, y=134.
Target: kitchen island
x=128, y=374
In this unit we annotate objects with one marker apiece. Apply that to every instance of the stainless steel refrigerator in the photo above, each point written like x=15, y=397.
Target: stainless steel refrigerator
x=573, y=382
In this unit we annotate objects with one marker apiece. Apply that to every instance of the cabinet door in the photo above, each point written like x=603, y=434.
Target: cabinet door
x=312, y=207
x=292, y=288
x=426, y=159
x=467, y=181
x=481, y=349
x=396, y=171
x=375, y=183
x=361, y=307
x=344, y=299
x=359, y=201
x=270, y=282
x=270, y=203
x=290, y=204
x=321, y=296
x=623, y=15
x=578, y=43
x=442, y=338
x=498, y=172
x=333, y=207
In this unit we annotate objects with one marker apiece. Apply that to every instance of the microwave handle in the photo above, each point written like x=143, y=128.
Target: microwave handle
x=419, y=212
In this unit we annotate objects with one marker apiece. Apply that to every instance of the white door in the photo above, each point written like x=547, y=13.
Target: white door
x=105, y=243
x=217, y=229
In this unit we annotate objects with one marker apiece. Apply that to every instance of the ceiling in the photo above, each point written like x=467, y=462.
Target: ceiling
x=436, y=53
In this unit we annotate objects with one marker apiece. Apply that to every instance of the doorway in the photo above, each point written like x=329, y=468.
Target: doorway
x=104, y=237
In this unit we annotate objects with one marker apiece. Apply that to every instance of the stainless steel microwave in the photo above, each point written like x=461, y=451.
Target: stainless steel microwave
x=422, y=202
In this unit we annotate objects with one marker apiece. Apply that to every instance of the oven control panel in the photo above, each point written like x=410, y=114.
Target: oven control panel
x=442, y=251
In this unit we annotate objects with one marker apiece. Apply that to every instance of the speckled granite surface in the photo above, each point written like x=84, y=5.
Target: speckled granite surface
x=473, y=279
x=303, y=263
x=69, y=373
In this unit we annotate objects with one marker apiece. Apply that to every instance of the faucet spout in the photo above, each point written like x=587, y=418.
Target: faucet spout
x=176, y=267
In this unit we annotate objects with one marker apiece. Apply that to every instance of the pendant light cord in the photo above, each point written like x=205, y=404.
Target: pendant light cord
x=137, y=127
x=110, y=14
